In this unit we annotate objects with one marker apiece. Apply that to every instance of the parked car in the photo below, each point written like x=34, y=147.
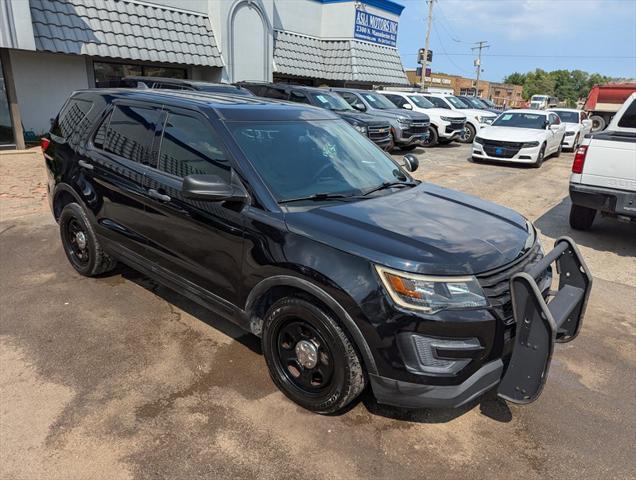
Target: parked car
x=378, y=130
x=604, y=171
x=475, y=119
x=521, y=136
x=283, y=219
x=478, y=104
x=409, y=129
x=492, y=105
x=445, y=126
x=577, y=125
x=181, y=84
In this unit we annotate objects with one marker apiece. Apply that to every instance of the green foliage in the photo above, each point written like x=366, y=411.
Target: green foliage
x=568, y=85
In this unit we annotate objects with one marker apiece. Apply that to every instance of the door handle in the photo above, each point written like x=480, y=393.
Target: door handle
x=152, y=193
x=85, y=164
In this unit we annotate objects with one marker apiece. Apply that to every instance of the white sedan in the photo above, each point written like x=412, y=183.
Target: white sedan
x=577, y=125
x=520, y=136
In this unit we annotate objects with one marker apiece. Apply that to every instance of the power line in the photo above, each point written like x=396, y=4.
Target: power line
x=441, y=45
x=456, y=54
x=480, y=46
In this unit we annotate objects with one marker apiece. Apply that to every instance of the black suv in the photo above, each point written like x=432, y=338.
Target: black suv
x=283, y=219
x=376, y=129
x=181, y=84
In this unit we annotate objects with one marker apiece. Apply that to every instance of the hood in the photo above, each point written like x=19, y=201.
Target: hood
x=443, y=112
x=401, y=113
x=361, y=117
x=426, y=229
x=471, y=112
x=511, y=134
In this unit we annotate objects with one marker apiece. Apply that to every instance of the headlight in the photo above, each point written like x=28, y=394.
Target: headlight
x=431, y=294
x=478, y=140
x=569, y=134
x=361, y=128
x=487, y=120
x=403, y=121
x=529, y=144
x=450, y=119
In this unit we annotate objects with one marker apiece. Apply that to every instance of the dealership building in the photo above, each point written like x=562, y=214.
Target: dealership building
x=48, y=48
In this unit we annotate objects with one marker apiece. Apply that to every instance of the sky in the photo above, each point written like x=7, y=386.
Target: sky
x=591, y=35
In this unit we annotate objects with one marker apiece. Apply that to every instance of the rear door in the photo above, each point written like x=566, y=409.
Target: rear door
x=611, y=157
x=123, y=146
x=199, y=241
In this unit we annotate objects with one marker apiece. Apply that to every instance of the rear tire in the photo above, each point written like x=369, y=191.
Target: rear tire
x=81, y=246
x=598, y=123
x=309, y=356
x=581, y=218
x=540, y=158
x=432, y=139
x=468, y=134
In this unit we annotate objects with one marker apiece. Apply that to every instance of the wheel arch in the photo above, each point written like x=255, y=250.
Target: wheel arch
x=62, y=196
x=268, y=291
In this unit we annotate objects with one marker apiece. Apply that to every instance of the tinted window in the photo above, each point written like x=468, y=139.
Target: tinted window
x=554, y=119
x=130, y=133
x=397, y=100
x=350, y=98
x=438, y=102
x=70, y=117
x=277, y=93
x=298, y=97
x=377, y=101
x=188, y=148
x=567, y=116
x=330, y=101
x=628, y=120
x=420, y=101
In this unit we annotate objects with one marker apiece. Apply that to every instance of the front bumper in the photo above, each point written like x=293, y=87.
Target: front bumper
x=539, y=323
x=409, y=134
x=607, y=200
x=450, y=131
x=523, y=155
x=568, y=141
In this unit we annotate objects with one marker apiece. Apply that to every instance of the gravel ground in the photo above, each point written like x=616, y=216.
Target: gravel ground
x=120, y=378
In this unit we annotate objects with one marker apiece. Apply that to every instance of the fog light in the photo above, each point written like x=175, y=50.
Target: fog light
x=423, y=354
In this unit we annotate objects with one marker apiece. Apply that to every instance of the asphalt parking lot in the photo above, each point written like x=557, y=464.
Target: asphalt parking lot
x=120, y=378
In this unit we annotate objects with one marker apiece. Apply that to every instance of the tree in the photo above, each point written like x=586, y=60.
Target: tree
x=515, y=78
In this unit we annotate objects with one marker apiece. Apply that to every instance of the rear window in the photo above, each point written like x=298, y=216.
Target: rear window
x=71, y=118
x=628, y=120
x=129, y=132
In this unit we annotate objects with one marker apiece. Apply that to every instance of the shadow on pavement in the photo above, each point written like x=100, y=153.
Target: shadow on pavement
x=606, y=234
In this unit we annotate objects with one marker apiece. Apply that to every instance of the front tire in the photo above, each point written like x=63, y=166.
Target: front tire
x=81, y=246
x=310, y=358
x=432, y=139
x=581, y=218
x=468, y=134
x=539, y=161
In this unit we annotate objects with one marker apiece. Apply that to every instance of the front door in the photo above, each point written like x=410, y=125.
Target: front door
x=200, y=241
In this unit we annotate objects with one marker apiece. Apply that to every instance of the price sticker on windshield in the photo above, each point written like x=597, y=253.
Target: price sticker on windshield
x=507, y=116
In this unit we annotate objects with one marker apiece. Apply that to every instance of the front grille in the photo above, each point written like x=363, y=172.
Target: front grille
x=496, y=284
x=457, y=125
x=500, y=143
x=494, y=148
x=379, y=133
x=417, y=128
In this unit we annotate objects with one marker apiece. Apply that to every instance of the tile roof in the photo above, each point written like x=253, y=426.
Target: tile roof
x=347, y=60
x=124, y=29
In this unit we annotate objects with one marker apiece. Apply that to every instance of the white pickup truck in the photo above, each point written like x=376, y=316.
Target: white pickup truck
x=604, y=171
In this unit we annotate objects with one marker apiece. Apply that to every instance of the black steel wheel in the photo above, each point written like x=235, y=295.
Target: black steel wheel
x=309, y=356
x=81, y=246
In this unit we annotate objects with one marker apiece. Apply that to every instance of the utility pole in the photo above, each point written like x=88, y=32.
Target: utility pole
x=480, y=46
x=426, y=43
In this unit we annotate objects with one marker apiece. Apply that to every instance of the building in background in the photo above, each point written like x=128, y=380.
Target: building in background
x=502, y=94
x=49, y=48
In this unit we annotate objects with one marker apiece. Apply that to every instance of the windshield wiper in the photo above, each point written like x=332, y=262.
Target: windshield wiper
x=385, y=185
x=318, y=197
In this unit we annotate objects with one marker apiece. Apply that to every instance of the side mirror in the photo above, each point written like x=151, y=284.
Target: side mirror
x=212, y=188
x=410, y=162
x=407, y=106
x=359, y=107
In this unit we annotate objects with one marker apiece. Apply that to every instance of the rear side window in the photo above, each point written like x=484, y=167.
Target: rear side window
x=188, y=147
x=71, y=118
x=438, y=102
x=298, y=97
x=628, y=120
x=129, y=133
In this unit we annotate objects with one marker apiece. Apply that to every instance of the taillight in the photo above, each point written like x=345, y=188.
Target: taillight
x=44, y=143
x=579, y=159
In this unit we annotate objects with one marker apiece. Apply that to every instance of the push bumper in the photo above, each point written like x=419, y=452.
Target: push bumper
x=540, y=323
x=608, y=200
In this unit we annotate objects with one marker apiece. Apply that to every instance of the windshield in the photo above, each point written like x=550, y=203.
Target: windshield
x=521, y=120
x=566, y=116
x=298, y=159
x=420, y=101
x=473, y=102
x=538, y=98
x=330, y=101
x=488, y=103
x=378, y=101
x=456, y=102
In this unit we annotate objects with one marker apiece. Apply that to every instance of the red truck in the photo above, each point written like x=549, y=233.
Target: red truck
x=604, y=101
